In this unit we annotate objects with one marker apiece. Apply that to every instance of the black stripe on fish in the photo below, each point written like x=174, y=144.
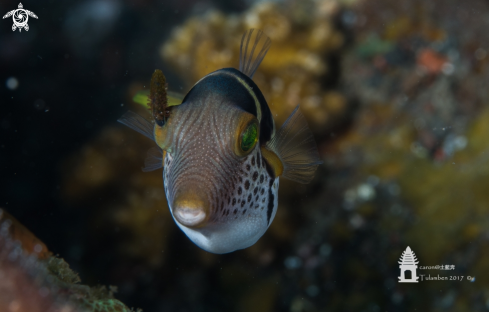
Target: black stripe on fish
x=269, y=169
x=271, y=201
x=230, y=86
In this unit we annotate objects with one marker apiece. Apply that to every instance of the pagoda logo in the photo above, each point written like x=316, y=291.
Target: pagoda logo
x=408, y=265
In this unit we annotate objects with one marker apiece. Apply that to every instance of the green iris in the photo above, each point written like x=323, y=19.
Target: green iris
x=249, y=137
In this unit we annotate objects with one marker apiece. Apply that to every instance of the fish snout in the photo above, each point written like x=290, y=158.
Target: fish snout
x=191, y=208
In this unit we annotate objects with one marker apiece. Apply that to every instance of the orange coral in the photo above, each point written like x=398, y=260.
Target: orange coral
x=32, y=280
x=30, y=243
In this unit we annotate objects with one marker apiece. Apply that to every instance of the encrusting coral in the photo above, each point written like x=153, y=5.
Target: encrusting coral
x=32, y=280
x=303, y=38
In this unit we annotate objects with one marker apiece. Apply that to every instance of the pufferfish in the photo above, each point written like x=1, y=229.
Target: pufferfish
x=221, y=155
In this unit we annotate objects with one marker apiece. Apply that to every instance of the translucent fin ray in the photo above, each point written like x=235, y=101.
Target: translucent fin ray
x=254, y=47
x=153, y=160
x=137, y=123
x=295, y=146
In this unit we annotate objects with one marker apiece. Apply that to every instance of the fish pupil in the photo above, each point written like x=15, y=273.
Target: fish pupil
x=249, y=137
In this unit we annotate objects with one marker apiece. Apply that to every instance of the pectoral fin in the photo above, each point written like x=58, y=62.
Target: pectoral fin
x=137, y=123
x=155, y=155
x=294, y=148
x=154, y=159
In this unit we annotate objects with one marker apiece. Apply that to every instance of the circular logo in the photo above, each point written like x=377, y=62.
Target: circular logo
x=20, y=18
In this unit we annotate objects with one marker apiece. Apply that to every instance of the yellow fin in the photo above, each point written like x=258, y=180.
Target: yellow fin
x=174, y=98
x=142, y=98
x=273, y=161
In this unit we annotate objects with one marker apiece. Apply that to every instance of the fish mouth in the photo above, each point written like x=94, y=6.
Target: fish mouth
x=190, y=209
x=189, y=217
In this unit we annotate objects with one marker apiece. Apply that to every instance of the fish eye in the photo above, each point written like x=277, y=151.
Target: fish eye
x=248, y=137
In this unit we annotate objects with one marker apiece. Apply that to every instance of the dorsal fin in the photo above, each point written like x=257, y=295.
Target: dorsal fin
x=254, y=47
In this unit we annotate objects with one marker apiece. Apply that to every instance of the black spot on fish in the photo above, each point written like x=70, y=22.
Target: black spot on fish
x=253, y=160
x=235, y=211
x=247, y=185
x=244, y=211
x=256, y=207
x=229, y=200
x=227, y=212
x=262, y=191
x=255, y=190
x=251, y=204
x=258, y=161
x=240, y=179
x=234, y=201
x=239, y=200
x=261, y=178
x=271, y=198
x=248, y=167
x=271, y=183
x=249, y=198
x=256, y=197
x=240, y=190
x=263, y=199
x=243, y=203
x=222, y=205
x=255, y=176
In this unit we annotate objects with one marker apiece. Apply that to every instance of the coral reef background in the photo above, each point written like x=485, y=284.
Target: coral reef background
x=395, y=92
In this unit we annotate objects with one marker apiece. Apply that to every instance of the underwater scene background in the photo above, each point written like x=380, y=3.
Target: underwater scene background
x=394, y=91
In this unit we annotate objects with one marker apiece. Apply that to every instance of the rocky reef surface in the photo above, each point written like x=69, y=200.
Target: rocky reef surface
x=33, y=280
